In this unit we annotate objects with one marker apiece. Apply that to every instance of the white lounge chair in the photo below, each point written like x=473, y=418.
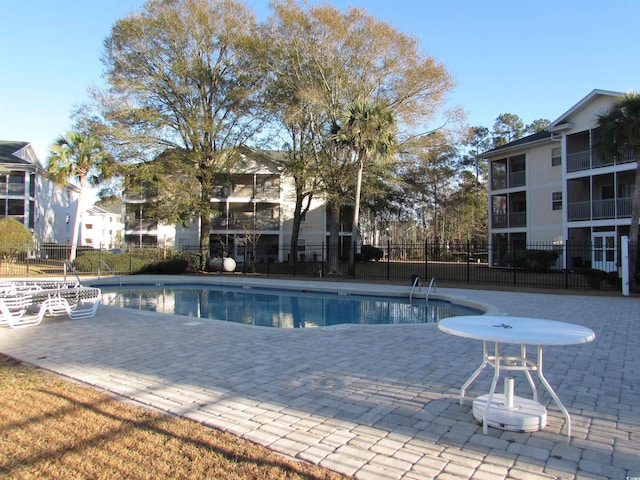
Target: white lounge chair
x=26, y=304
x=19, y=311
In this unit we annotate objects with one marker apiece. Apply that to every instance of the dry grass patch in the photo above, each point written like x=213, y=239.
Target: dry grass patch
x=52, y=428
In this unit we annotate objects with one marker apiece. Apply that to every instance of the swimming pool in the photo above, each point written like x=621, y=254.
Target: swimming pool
x=279, y=308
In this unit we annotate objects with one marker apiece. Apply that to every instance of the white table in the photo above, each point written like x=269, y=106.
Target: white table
x=506, y=410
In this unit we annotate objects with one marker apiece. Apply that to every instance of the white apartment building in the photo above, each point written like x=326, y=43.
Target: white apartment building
x=254, y=210
x=28, y=196
x=102, y=227
x=553, y=190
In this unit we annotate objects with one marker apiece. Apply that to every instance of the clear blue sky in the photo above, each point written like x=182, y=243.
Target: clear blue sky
x=533, y=59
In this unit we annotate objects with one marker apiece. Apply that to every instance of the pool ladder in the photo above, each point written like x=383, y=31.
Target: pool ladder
x=416, y=283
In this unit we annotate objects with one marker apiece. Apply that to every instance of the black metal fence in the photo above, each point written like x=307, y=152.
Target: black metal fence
x=567, y=266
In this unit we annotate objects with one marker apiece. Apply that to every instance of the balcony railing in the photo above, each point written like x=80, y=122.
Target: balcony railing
x=499, y=220
x=245, y=223
x=138, y=225
x=599, y=209
x=588, y=159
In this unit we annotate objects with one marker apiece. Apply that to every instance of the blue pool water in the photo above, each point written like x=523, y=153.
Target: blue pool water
x=279, y=308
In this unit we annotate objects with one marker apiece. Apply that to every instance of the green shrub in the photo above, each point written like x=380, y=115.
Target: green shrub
x=598, y=277
x=535, y=260
x=170, y=266
x=15, y=239
x=175, y=265
x=89, y=262
x=149, y=261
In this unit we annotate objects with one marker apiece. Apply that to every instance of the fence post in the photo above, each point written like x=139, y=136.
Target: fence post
x=468, y=262
x=353, y=266
x=566, y=264
x=426, y=259
x=515, y=262
x=624, y=265
x=388, y=260
x=295, y=259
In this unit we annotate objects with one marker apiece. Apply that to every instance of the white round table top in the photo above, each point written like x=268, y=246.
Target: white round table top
x=522, y=330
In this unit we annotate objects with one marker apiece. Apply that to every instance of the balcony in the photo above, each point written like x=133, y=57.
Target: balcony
x=589, y=159
x=599, y=209
x=499, y=220
x=137, y=225
x=518, y=219
x=245, y=223
x=517, y=179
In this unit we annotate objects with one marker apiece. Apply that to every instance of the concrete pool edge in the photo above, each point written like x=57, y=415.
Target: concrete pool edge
x=452, y=295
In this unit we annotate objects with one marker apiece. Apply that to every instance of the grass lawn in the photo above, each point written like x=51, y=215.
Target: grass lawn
x=54, y=429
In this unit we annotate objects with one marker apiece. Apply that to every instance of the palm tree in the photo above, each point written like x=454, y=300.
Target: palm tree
x=619, y=131
x=369, y=132
x=77, y=155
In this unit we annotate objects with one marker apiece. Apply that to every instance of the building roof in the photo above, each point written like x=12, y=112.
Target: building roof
x=533, y=138
x=114, y=208
x=557, y=124
x=16, y=152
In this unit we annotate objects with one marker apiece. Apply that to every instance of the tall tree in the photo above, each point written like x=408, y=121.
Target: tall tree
x=507, y=128
x=430, y=181
x=180, y=77
x=80, y=156
x=619, y=133
x=477, y=140
x=369, y=132
x=536, y=126
x=327, y=60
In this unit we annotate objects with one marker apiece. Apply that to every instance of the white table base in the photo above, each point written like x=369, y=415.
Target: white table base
x=492, y=412
x=524, y=416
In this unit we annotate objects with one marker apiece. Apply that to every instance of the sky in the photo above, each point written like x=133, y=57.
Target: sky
x=533, y=59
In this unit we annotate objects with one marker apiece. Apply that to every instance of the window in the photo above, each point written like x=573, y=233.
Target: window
x=556, y=201
x=89, y=226
x=15, y=207
x=556, y=156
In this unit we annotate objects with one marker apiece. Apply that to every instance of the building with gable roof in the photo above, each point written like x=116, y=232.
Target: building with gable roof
x=30, y=197
x=252, y=214
x=102, y=227
x=554, y=189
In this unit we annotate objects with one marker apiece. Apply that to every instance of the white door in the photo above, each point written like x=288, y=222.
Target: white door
x=604, y=251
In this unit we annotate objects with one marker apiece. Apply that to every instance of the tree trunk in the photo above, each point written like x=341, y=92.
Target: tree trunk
x=76, y=222
x=205, y=219
x=356, y=215
x=297, y=222
x=333, y=217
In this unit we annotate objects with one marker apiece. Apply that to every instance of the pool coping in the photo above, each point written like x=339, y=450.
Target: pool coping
x=351, y=288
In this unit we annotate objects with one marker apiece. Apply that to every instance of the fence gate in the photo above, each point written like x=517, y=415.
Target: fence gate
x=604, y=251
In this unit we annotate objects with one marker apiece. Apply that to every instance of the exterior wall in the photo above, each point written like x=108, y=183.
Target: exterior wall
x=587, y=117
x=543, y=223
x=590, y=186
x=49, y=209
x=101, y=229
x=55, y=212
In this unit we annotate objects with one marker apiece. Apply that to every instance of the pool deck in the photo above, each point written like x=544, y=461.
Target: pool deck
x=374, y=402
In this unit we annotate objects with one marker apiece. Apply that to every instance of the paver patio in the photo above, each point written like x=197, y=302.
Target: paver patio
x=375, y=402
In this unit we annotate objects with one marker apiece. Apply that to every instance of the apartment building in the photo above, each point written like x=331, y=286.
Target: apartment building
x=28, y=196
x=553, y=190
x=102, y=227
x=252, y=215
